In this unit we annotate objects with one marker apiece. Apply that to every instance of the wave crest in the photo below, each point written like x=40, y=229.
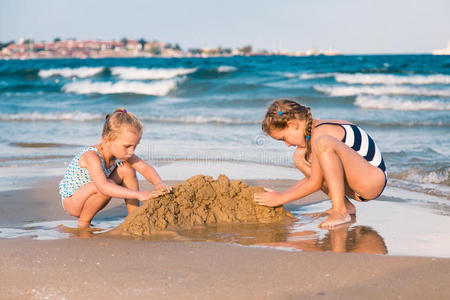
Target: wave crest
x=82, y=72
x=386, y=79
x=201, y=120
x=132, y=73
x=389, y=79
x=399, y=104
x=341, y=91
x=157, y=88
x=84, y=117
x=226, y=69
x=307, y=76
x=57, y=116
x=440, y=176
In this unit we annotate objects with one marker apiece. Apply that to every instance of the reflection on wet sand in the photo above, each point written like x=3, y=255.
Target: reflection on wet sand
x=302, y=234
x=80, y=232
x=345, y=238
x=355, y=239
x=244, y=234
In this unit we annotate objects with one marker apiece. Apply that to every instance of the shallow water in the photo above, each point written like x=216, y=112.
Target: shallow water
x=380, y=227
x=211, y=109
x=202, y=116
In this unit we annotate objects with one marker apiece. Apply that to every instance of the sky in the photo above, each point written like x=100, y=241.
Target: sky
x=349, y=26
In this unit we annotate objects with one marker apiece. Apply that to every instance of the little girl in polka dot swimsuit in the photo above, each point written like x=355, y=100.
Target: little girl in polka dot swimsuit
x=107, y=170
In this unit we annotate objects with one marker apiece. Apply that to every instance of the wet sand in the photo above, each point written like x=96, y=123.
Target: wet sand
x=111, y=268
x=118, y=269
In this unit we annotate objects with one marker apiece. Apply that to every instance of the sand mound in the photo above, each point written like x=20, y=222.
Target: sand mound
x=201, y=200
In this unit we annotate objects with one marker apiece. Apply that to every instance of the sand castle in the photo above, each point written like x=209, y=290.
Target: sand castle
x=199, y=201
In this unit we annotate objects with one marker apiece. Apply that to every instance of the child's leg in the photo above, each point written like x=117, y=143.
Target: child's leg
x=305, y=167
x=85, y=203
x=91, y=207
x=125, y=175
x=340, y=164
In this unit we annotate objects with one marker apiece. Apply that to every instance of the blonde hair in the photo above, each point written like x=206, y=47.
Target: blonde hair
x=115, y=121
x=281, y=111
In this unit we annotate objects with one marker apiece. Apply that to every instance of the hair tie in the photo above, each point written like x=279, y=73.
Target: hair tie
x=308, y=137
x=280, y=112
x=124, y=111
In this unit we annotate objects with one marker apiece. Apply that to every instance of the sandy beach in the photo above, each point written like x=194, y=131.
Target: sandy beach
x=116, y=269
x=112, y=268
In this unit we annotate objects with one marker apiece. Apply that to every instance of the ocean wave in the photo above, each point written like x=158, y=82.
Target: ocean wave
x=226, y=69
x=389, y=79
x=132, y=73
x=82, y=72
x=84, y=117
x=418, y=175
x=56, y=116
x=200, y=120
x=401, y=123
x=157, y=88
x=341, y=91
x=307, y=76
x=399, y=104
x=370, y=79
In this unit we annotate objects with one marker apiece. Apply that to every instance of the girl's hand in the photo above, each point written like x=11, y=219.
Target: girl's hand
x=162, y=187
x=147, y=195
x=269, y=198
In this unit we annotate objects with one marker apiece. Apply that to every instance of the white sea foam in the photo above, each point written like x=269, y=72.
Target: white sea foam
x=314, y=76
x=380, y=90
x=132, y=73
x=56, y=116
x=400, y=104
x=226, y=69
x=201, y=120
x=84, y=117
x=157, y=88
x=431, y=177
x=386, y=79
x=389, y=79
x=288, y=75
x=82, y=72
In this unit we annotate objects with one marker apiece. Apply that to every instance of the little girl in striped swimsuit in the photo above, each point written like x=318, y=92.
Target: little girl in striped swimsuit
x=337, y=157
x=107, y=170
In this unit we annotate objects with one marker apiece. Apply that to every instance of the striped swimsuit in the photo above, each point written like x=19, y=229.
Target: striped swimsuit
x=357, y=139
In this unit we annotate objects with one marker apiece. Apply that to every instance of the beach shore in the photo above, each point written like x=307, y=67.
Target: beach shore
x=112, y=268
x=115, y=269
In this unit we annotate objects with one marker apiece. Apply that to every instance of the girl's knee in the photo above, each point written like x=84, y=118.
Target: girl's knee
x=323, y=144
x=126, y=171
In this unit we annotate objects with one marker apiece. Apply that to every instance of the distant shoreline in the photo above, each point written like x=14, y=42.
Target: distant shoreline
x=206, y=57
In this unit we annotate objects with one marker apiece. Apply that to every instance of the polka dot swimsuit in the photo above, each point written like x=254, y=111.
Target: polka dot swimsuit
x=76, y=176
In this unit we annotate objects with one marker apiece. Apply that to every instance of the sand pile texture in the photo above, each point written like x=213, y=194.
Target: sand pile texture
x=201, y=200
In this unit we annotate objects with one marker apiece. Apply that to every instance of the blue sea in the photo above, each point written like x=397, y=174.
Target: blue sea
x=203, y=115
x=210, y=109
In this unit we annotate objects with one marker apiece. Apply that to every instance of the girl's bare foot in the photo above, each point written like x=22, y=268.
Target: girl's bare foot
x=83, y=224
x=334, y=219
x=351, y=209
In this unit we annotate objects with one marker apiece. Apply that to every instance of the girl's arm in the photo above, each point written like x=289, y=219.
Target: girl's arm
x=145, y=169
x=303, y=188
x=297, y=185
x=148, y=172
x=306, y=186
x=91, y=161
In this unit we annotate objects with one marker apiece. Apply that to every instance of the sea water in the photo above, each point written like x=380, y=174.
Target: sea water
x=202, y=114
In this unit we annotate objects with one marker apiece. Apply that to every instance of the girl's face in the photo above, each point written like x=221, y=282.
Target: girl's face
x=292, y=135
x=123, y=146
